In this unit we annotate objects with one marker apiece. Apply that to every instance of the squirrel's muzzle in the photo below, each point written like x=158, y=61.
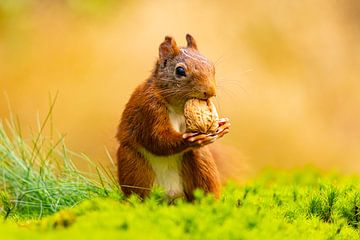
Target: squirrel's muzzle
x=209, y=92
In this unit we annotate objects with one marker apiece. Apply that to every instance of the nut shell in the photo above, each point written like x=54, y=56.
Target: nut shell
x=201, y=116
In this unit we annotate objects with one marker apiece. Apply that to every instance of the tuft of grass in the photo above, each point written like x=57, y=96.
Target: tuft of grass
x=350, y=210
x=38, y=175
x=322, y=205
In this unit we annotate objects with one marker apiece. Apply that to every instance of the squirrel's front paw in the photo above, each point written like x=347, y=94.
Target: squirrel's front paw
x=199, y=139
x=224, y=127
x=202, y=139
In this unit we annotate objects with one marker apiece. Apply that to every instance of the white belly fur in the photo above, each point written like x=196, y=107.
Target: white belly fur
x=167, y=169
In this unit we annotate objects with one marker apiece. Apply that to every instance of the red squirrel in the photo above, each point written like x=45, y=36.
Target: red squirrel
x=155, y=149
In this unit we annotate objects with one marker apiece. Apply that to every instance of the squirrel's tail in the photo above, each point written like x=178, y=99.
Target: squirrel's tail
x=231, y=163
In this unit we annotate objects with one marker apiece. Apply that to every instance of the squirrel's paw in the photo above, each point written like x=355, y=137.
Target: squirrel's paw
x=224, y=127
x=199, y=139
x=202, y=139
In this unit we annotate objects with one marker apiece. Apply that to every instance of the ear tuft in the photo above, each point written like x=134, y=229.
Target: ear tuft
x=191, y=43
x=168, y=48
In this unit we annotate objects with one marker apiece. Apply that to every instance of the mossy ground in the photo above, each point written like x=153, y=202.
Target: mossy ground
x=276, y=205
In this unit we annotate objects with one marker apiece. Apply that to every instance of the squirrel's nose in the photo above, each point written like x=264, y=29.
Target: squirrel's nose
x=210, y=92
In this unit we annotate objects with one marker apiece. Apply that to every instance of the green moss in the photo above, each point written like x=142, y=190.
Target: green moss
x=274, y=206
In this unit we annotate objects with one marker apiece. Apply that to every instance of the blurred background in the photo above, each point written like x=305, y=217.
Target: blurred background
x=288, y=71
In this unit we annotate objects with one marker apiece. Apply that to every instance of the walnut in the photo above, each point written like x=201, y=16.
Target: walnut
x=201, y=116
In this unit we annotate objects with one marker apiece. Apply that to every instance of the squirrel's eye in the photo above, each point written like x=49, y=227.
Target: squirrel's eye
x=180, y=72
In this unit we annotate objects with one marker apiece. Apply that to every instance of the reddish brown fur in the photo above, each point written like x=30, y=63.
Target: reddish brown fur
x=145, y=123
x=199, y=171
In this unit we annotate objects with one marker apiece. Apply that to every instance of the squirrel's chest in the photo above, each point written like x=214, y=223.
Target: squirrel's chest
x=177, y=121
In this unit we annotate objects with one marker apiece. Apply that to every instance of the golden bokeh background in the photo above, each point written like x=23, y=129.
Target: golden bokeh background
x=288, y=71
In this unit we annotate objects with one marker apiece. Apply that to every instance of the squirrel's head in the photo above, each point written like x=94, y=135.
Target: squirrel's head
x=183, y=73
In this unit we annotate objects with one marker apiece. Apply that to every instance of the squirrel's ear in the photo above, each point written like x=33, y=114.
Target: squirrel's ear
x=168, y=48
x=191, y=43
